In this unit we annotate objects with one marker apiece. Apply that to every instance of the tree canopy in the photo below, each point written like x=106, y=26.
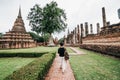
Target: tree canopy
x=48, y=19
x=35, y=18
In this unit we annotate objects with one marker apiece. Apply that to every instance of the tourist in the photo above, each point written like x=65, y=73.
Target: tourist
x=61, y=52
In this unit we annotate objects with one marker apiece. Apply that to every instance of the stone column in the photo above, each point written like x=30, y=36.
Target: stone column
x=71, y=38
x=68, y=36
x=98, y=28
x=82, y=31
x=75, y=35
x=104, y=17
x=108, y=23
x=91, y=28
x=86, y=28
x=78, y=34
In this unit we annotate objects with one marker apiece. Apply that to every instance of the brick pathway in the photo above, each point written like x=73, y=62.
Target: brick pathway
x=55, y=73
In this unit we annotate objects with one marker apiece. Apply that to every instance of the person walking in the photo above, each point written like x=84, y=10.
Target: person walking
x=61, y=52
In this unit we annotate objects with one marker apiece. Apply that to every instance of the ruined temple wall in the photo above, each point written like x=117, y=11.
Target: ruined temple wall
x=107, y=42
x=107, y=45
x=103, y=41
x=113, y=50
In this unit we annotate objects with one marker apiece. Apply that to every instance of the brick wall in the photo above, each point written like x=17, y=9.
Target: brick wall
x=109, y=44
x=106, y=49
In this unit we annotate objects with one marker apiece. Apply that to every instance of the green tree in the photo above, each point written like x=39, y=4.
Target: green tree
x=1, y=34
x=49, y=19
x=36, y=37
x=46, y=37
x=61, y=40
x=35, y=18
x=53, y=18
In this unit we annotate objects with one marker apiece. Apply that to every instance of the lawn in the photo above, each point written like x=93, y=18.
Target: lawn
x=36, y=49
x=8, y=65
x=94, y=66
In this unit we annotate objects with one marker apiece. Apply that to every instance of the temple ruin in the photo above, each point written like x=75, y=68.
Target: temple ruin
x=106, y=40
x=17, y=37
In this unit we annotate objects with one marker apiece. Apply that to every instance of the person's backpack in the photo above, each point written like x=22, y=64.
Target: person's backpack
x=66, y=55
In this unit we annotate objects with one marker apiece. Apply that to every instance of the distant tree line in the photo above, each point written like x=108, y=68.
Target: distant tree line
x=39, y=38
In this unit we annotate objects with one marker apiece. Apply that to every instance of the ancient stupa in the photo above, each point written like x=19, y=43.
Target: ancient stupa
x=17, y=37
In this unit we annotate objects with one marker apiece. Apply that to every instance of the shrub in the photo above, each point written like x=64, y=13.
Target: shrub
x=36, y=70
x=22, y=54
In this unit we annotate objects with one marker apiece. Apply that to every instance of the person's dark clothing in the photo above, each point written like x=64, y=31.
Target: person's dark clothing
x=61, y=52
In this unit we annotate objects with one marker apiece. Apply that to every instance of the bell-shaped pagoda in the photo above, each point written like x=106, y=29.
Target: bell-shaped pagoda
x=17, y=37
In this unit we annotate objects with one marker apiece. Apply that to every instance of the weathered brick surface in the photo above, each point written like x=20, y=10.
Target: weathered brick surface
x=107, y=49
x=108, y=44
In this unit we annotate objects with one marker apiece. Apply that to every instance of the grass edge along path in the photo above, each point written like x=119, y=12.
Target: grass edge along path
x=36, y=70
x=93, y=66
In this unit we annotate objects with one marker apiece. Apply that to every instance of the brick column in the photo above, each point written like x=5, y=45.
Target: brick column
x=78, y=34
x=108, y=23
x=82, y=31
x=98, y=28
x=68, y=36
x=75, y=35
x=104, y=17
x=86, y=28
x=71, y=38
x=91, y=28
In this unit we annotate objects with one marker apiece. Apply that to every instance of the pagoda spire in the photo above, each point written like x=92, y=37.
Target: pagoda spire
x=19, y=24
x=19, y=14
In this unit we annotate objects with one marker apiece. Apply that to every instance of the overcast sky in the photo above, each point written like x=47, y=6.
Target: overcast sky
x=77, y=11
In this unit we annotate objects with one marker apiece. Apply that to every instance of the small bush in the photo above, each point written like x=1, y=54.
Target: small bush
x=36, y=70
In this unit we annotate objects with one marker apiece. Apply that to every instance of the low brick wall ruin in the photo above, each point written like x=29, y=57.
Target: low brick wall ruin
x=106, y=49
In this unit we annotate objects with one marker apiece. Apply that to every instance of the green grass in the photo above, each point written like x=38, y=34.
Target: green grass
x=36, y=49
x=70, y=50
x=8, y=65
x=94, y=66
